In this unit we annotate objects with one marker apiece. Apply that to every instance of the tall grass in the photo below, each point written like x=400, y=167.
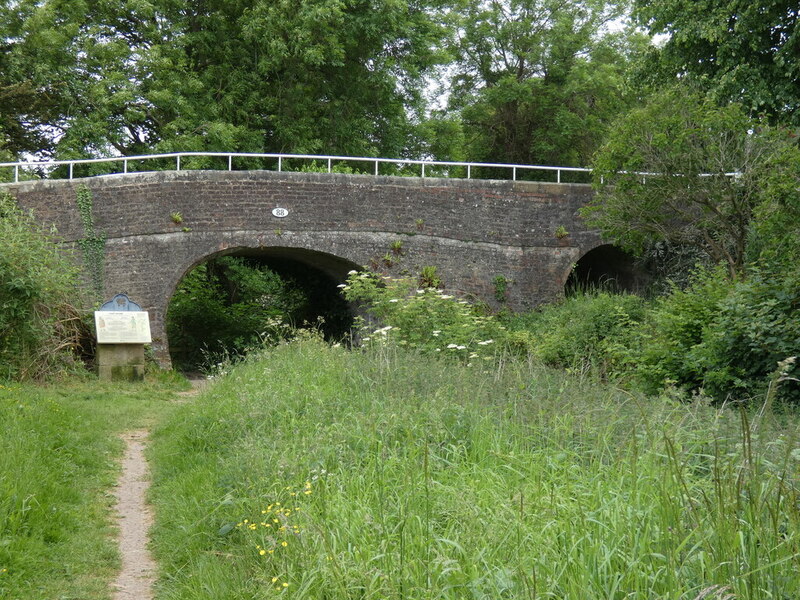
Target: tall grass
x=313, y=472
x=58, y=460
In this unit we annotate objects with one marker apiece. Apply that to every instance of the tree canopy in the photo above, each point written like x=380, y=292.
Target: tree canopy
x=80, y=77
x=538, y=81
x=738, y=50
x=685, y=170
x=527, y=81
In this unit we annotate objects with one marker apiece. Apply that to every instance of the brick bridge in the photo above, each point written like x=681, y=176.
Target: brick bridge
x=471, y=230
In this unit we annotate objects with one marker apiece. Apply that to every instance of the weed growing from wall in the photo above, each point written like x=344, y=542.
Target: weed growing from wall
x=501, y=283
x=93, y=245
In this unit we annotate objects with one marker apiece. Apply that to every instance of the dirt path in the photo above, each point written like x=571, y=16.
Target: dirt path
x=135, y=581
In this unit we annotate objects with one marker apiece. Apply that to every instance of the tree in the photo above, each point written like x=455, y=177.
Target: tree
x=686, y=171
x=538, y=81
x=739, y=50
x=251, y=75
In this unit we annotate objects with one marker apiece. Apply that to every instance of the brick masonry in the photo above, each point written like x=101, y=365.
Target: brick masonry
x=471, y=230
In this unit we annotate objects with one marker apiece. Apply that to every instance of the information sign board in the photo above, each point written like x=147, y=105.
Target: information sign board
x=122, y=327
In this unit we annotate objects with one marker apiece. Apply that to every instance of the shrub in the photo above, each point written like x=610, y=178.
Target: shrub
x=586, y=332
x=39, y=298
x=756, y=327
x=669, y=348
x=427, y=319
x=225, y=306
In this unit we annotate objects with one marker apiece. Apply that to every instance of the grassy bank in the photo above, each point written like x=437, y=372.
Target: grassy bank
x=318, y=473
x=58, y=462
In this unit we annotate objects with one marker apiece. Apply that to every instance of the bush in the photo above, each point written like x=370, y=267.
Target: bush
x=39, y=299
x=757, y=327
x=225, y=306
x=586, y=332
x=669, y=346
x=427, y=319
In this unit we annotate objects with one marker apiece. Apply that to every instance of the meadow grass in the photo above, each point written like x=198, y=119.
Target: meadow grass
x=313, y=472
x=59, y=453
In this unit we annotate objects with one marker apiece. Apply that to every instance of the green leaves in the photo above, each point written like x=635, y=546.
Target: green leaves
x=249, y=75
x=38, y=296
x=666, y=174
x=737, y=50
x=538, y=81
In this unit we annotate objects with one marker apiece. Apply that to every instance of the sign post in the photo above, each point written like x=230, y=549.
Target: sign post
x=123, y=329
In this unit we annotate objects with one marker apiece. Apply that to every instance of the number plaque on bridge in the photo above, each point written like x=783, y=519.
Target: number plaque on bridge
x=280, y=212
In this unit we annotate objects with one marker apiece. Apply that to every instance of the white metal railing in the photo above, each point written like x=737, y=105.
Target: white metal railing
x=125, y=160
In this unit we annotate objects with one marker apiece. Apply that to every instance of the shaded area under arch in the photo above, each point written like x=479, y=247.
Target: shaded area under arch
x=231, y=299
x=608, y=268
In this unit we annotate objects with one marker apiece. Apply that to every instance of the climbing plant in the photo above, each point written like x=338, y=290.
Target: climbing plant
x=93, y=244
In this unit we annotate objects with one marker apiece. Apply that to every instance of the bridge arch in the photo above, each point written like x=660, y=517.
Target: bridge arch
x=313, y=274
x=606, y=267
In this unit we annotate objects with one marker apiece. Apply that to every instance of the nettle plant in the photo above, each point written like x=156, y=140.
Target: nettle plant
x=427, y=319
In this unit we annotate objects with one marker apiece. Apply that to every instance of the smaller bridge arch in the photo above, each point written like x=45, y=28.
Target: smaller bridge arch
x=606, y=267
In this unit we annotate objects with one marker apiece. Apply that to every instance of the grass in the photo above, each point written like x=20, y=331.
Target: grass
x=59, y=453
x=312, y=472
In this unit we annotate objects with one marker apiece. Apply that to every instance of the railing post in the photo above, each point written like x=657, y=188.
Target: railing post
x=178, y=162
x=513, y=173
x=70, y=170
x=230, y=162
x=16, y=173
x=329, y=165
x=423, y=169
x=468, y=171
x=125, y=166
x=376, y=168
x=279, y=164
x=558, y=175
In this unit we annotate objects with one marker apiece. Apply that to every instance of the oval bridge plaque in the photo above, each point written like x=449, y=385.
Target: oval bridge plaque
x=280, y=212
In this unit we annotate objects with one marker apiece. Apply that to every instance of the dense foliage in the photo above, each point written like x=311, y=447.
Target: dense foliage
x=716, y=338
x=527, y=80
x=737, y=50
x=422, y=317
x=82, y=77
x=39, y=298
x=685, y=171
x=538, y=81
x=230, y=304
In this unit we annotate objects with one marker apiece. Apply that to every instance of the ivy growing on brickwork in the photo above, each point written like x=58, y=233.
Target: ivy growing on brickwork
x=93, y=245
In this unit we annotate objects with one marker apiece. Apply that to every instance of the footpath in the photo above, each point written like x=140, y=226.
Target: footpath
x=134, y=517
